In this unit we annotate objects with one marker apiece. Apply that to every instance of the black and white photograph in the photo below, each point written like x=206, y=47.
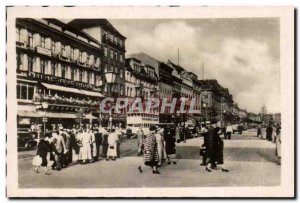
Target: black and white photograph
x=150, y=102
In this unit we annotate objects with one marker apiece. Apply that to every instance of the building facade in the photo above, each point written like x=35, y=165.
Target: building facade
x=58, y=74
x=113, y=61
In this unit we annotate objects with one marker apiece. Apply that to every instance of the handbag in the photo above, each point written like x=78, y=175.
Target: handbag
x=202, y=152
x=111, y=147
x=37, y=161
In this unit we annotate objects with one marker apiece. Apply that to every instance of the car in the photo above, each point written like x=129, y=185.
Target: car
x=26, y=140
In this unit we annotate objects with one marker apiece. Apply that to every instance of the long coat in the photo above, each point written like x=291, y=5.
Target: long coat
x=42, y=150
x=278, y=145
x=150, y=150
x=215, y=146
x=85, y=150
x=112, y=144
x=170, y=139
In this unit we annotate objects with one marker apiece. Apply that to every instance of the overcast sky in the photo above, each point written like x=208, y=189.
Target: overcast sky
x=242, y=54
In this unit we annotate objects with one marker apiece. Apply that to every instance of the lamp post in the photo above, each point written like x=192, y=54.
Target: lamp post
x=110, y=79
x=45, y=120
x=204, y=106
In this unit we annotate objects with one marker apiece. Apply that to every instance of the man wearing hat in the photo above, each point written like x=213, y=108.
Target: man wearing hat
x=60, y=146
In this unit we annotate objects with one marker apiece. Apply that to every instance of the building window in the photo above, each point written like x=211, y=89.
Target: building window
x=19, y=62
x=25, y=91
x=43, y=41
x=88, y=77
x=111, y=54
x=53, y=69
x=121, y=58
x=63, y=71
x=30, y=39
x=121, y=73
x=71, y=53
x=105, y=51
x=80, y=75
x=73, y=74
x=80, y=56
x=30, y=64
x=53, y=46
x=121, y=90
x=95, y=79
x=18, y=35
x=63, y=50
x=116, y=56
x=43, y=66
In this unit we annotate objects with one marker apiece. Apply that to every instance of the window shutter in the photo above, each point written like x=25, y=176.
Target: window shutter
x=58, y=47
x=23, y=35
x=59, y=70
x=36, y=40
x=48, y=43
x=37, y=66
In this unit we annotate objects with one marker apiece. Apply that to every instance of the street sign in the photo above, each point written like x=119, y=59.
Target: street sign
x=45, y=119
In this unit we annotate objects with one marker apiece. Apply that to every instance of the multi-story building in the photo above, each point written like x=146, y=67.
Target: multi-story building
x=113, y=59
x=58, y=73
x=141, y=82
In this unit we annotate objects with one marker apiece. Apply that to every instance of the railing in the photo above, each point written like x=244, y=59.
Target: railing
x=59, y=80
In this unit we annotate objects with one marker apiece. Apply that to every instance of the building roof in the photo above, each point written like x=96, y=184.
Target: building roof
x=178, y=68
x=65, y=26
x=93, y=22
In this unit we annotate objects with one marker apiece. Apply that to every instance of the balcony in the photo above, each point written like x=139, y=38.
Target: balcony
x=58, y=80
x=112, y=43
x=44, y=51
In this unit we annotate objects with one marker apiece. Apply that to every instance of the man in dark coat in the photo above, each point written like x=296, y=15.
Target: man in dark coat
x=215, y=149
x=269, y=132
x=98, y=140
x=204, y=146
x=170, y=140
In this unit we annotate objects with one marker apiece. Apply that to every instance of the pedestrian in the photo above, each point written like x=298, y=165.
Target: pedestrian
x=93, y=145
x=229, y=131
x=140, y=140
x=170, y=140
x=60, y=147
x=66, y=136
x=104, y=142
x=43, y=150
x=215, y=149
x=73, y=145
x=150, y=152
x=177, y=133
x=278, y=144
x=85, y=150
x=119, y=134
x=258, y=131
x=269, y=132
x=160, y=145
x=98, y=140
x=203, y=149
x=112, y=145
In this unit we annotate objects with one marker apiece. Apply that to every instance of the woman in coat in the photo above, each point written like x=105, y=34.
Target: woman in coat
x=278, y=144
x=160, y=144
x=150, y=152
x=112, y=141
x=85, y=149
x=170, y=140
x=43, y=150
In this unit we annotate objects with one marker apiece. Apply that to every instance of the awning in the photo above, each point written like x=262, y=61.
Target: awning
x=61, y=88
x=60, y=115
x=93, y=94
x=29, y=114
x=90, y=116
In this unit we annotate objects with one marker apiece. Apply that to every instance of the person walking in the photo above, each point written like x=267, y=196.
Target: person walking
x=66, y=136
x=43, y=150
x=112, y=145
x=229, y=131
x=160, y=145
x=98, y=140
x=140, y=140
x=278, y=144
x=215, y=149
x=258, y=130
x=93, y=145
x=104, y=142
x=85, y=150
x=269, y=132
x=119, y=134
x=170, y=146
x=60, y=147
x=150, y=152
x=203, y=149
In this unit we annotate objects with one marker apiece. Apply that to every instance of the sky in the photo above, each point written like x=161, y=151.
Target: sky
x=242, y=54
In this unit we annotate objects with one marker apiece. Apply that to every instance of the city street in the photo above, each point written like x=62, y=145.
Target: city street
x=251, y=162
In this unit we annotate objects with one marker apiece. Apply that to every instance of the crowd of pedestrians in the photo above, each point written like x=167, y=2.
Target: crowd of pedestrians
x=60, y=148
x=271, y=133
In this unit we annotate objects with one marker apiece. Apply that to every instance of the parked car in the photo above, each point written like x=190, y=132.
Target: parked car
x=26, y=140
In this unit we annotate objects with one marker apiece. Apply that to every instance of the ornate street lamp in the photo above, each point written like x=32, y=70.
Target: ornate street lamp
x=110, y=79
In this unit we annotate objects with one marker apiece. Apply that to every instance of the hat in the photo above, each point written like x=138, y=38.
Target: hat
x=152, y=128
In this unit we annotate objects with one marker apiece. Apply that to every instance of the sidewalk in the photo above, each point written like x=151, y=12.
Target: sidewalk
x=123, y=173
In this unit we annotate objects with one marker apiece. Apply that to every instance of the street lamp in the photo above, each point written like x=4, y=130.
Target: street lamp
x=110, y=78
x=204, y=106
x=44, y=107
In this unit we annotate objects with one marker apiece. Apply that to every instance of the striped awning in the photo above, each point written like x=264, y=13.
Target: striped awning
x=93, y=94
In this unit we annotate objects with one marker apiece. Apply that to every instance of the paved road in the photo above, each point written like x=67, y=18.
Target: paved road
x=251, y=162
